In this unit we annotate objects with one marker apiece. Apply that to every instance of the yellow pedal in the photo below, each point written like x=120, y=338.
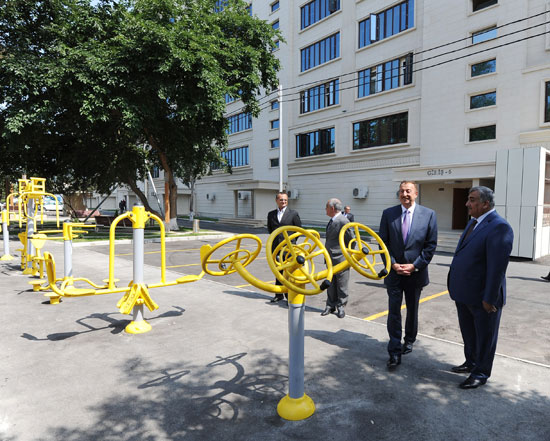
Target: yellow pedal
x=36, y=284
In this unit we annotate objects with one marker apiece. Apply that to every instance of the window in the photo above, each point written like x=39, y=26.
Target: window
x=385, y=76
x=483, y=133
x=274, y=6
x=319, y=97
x=483, y=100
x=547, y=101
x=275, y=25
x=235, y=158
x=318, y=142
x=389, y=22
x=276, y=45
x=274, y=143
x=229, y=98
x=482, y=4
x=483, y=68
x=391, y=129
x=240, y=122
x=317, y=10
x=156, y=172
x=484, y=35
x=274, y=104
x=320, y=52
x=274, y=162
x=274, y=124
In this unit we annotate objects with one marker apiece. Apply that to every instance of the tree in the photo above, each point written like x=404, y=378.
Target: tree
x=93, y=91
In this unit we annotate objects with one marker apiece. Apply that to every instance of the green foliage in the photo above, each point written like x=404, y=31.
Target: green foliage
x=91, y=92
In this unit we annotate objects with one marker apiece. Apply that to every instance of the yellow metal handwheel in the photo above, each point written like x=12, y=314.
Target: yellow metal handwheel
x=356, y=252
x=292, y=262
x=226, y=265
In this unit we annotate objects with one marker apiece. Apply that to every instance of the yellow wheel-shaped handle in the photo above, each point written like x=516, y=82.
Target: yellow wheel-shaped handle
x=360, y=254
x=226, y=265
x=292, y=262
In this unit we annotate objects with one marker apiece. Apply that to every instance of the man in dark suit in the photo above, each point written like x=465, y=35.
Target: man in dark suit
x=477, y=284
x=277, y=218
x=347, y=212
x=409, y=231
x=337, y=293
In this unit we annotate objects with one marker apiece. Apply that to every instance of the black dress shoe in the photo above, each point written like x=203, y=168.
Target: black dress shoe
x=547, y=278
x=394, y=361
x=328, y=310
x=472, y=382
x=407, y=347
x=276, y=299
x=464, y=368
x=341, y=313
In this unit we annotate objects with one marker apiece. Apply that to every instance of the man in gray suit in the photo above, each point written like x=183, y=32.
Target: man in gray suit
x=409, y=231
x=337, y=293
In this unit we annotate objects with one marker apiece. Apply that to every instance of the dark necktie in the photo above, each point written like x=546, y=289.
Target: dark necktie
x=405, y=226
x=470, y=229
x=329, y=224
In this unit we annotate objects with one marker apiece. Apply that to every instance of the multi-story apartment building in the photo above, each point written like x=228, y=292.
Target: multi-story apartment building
x=449, y=93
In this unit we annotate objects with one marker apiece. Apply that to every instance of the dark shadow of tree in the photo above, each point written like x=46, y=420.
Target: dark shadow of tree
x=236, y=394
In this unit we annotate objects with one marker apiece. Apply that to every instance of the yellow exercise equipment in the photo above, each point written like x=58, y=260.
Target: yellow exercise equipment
x=293, y=263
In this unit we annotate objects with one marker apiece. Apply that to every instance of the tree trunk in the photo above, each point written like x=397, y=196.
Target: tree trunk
x=169, y=178
x=142, y=197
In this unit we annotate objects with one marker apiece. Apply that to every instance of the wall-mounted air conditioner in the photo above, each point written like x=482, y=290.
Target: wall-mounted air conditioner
x=293, y=193
x=360, y=192
x=210, y=196
x=243, y=195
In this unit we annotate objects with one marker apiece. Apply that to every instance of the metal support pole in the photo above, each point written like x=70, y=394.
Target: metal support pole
x=68, y=257
x=30, y=247
x=138, y=325
x=6, y=237
x=281, y=148
x=296, y=405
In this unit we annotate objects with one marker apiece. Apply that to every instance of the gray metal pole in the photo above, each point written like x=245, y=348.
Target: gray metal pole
x=68, y=257
x=139, y=256
x=296, y=350
x=5, y=234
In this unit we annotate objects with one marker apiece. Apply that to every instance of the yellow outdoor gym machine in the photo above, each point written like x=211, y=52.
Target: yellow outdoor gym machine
x=136, y=294
x=293, y=263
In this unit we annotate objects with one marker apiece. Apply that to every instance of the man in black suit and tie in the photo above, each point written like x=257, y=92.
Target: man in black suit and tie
x=347, y=212
x=277, y=218
x=409, y=231
x=477, y=284
x=337, y=293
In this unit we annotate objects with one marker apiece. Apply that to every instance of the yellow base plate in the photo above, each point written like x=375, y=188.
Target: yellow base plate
x=296, y=409
x=7, y=257
x=138, y=327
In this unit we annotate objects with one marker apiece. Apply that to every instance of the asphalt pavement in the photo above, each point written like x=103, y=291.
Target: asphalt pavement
x=215, y=364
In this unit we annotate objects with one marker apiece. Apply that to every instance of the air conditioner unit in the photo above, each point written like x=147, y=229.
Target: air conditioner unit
x=360, y=192
x=243, y=195
x=293, y=193
x=210, y=196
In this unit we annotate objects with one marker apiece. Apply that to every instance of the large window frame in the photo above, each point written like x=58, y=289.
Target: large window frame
x=385, y=76
x=320, y=52
x=482, y=100
x=316, y=10
x=478, y=5
x=386, y=23
x=320, y=96
x=235, y=157
x=315, y=143
x=239, y=123
x=382, y=131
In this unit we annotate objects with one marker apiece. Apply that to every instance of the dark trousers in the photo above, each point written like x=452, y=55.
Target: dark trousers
x=337, y=292
x=479, y=331
x=395, y=298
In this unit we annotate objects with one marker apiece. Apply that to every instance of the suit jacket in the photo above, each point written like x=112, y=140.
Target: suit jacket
x=332, y=243
x=350, y=216
x=420, y=246
x=478, y=269
x=290, y=217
